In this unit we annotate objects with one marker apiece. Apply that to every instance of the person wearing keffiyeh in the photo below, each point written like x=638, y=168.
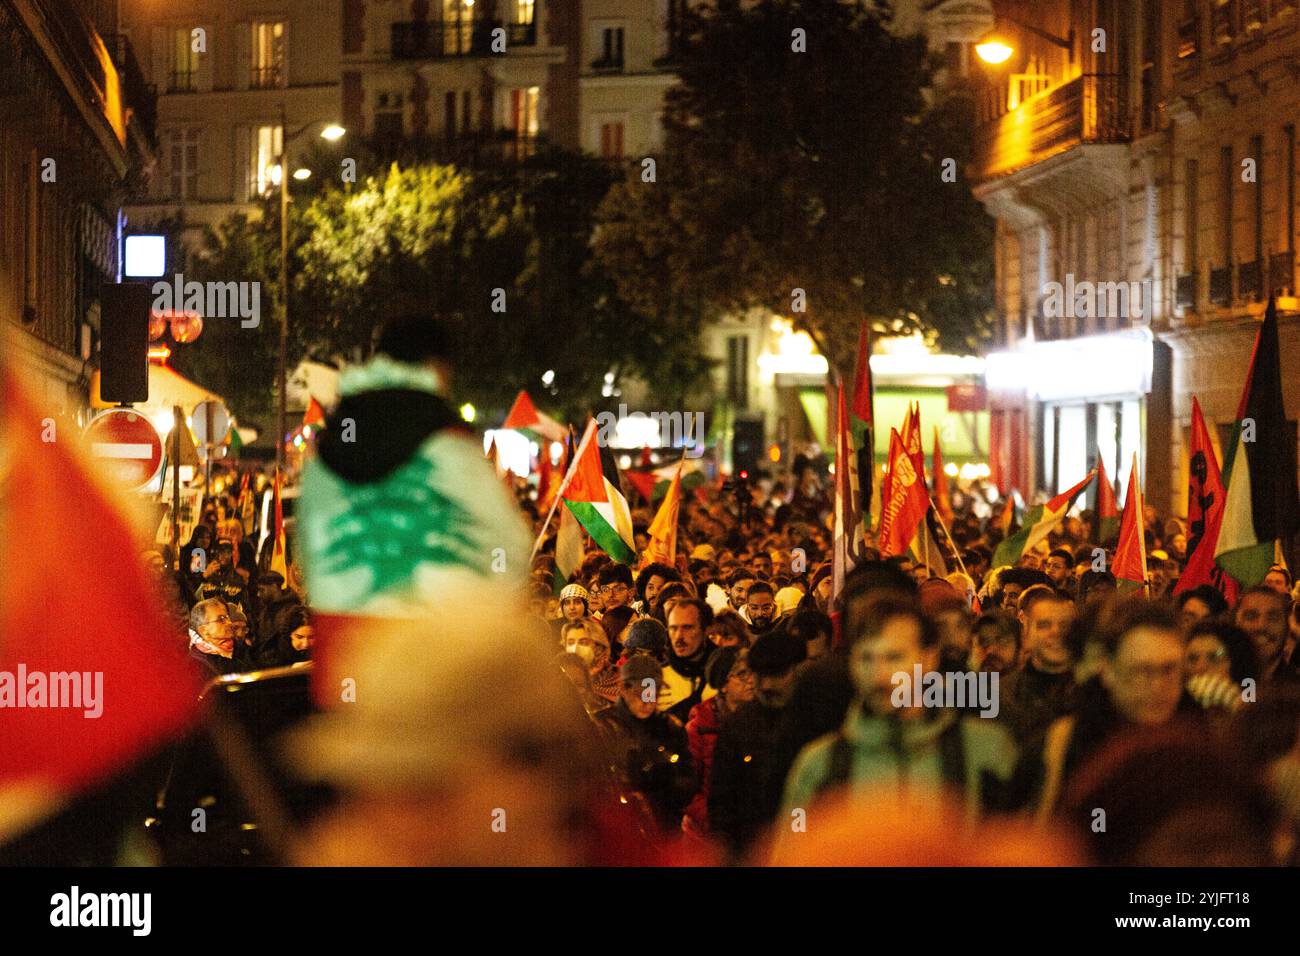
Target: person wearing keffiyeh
x=588, y=640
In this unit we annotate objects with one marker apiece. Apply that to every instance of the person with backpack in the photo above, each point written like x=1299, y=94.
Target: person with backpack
x=891, y=740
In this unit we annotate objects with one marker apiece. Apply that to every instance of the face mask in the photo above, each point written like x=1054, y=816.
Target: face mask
x=588, y=654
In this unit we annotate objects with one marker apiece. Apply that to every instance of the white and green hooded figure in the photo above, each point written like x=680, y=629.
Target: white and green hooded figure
x=400, y=507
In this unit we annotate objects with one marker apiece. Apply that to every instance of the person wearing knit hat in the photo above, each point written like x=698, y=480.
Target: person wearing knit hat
x=646, y=636
x=574, y=602
x=787, y=599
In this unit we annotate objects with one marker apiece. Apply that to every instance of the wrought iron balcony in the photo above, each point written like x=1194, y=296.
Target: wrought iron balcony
x=1088, y=109
x=436, y=40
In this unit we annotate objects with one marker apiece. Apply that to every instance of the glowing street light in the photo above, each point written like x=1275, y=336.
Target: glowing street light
x=333, y=132
x=302, y=174
x=994, y=51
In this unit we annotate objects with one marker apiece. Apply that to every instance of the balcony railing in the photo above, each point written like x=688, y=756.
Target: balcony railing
x=1250, y=280
x=1089, y=109
x=1221, y=285
x=1281, y=273
x=436, y=40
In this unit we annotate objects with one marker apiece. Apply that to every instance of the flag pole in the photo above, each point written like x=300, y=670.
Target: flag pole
x=948, y=534
x=559, y=493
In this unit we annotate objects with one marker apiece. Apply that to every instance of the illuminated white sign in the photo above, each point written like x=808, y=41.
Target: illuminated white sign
x=1099, y=365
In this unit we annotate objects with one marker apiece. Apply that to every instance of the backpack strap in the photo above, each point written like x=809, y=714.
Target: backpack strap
x=840, y=766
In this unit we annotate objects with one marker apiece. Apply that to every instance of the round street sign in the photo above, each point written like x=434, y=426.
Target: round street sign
x=125, y=446
x=220, y=423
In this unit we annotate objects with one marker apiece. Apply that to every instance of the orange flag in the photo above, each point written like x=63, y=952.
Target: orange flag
x=663, y=529
x=902, y=512
x=942, y=501
x=92, y=676
x=1131, y=553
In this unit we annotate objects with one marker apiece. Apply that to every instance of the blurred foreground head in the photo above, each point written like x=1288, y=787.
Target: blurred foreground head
x=465, y=746
x=884, y=828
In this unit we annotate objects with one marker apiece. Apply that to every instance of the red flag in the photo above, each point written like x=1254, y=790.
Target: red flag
x=1205, y=500
x=907, y=502
x=1107, y=505
x=88, y=625
x=644, y=482
x=942, y=501
x=862, y=388
x=524, y=416
x=315, y=415
x=1131, y=553
x=912, y=439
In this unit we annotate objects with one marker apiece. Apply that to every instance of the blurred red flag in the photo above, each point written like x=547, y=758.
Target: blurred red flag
x=1130, y=564
x=942, y=500
x=1205, y=500
x=75, y=599
x=906, y=503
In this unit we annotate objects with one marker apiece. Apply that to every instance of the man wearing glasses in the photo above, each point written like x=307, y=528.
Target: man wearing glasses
x=615, y=586
x=212, y=637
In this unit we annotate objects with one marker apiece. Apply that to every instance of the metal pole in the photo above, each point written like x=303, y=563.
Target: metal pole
x=280, y=420
x=178, y=422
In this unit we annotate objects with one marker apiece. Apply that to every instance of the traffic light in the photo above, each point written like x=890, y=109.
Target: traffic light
x=124, y=342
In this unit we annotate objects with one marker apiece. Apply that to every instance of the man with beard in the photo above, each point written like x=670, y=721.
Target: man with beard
x=996, y=646
x=1262, y=614
x=688, y=653
x=743, y=793
x=738, y=588
x=760, y=611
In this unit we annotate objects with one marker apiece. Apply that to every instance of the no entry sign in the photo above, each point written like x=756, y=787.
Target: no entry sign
x=125, y=446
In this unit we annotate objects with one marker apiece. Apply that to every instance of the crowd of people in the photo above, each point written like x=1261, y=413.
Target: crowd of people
x=227, y=609
x=733, y=692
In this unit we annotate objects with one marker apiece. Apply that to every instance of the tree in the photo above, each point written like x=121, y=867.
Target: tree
x=818, y=171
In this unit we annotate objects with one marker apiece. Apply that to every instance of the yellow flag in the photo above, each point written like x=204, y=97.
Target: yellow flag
x=663, y=530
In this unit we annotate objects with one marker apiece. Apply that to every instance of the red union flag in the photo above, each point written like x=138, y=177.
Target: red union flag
x=1205, y=499
x=88, y=678
x=907, y=501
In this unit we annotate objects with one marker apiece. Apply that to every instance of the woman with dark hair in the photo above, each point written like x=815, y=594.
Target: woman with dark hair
x=1198, y=603
x=293, y=640
x=675, y=591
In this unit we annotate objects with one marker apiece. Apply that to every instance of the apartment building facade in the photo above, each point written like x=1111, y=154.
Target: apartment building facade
x=1140, y=161
x=75, y=144
x=225, y=75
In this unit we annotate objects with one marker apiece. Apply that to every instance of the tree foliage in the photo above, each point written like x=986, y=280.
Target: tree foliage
x=817, y=170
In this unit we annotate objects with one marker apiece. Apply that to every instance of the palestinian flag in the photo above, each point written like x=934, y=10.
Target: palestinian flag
x=524, y=416
x=596, y=499
x=92, y=675
x=1205, y=494
x=1107, y=504
x=1038, y=524
x=1259, y=468
x=568, y=549
x=1130, y=564
x=663, y=529
x=314, y=415
x=862, y=426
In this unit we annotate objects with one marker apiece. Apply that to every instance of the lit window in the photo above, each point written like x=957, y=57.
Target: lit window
x=268, y=55
x=184, y=62
x=267, y=143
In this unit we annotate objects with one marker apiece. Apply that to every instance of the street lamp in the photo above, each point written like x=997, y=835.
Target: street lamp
x=995, y=50
x=331, y=132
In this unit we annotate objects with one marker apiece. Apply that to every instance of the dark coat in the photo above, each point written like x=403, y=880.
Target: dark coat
x=743, y=797
x=652, y=757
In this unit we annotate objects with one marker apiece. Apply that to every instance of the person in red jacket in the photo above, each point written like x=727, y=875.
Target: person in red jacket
x=728, y=673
